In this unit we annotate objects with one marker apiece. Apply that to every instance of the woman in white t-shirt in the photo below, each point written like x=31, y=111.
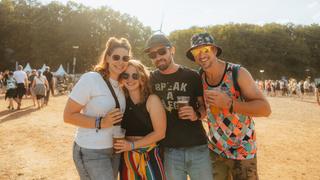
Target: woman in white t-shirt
x=92, y=107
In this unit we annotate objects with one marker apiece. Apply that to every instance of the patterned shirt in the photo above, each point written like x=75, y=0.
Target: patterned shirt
x=231, y=135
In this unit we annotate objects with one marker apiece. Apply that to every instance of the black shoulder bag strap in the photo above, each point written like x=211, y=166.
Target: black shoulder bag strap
x=113, y=93
x=111, y=90
x=114, y=96
x=235, y=71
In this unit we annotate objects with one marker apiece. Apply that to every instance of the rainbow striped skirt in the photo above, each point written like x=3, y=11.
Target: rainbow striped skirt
x=142, y=164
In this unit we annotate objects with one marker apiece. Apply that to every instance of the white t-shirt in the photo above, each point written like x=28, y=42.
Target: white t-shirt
x=92, y=92
x=20, y=76
x=306, y=85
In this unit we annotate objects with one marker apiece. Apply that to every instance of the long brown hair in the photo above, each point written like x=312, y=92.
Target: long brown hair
x=112, y=44
x=144, y=79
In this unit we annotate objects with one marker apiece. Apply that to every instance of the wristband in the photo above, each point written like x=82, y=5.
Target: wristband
x=98, y=123
x=132, y=145
x=231, y=107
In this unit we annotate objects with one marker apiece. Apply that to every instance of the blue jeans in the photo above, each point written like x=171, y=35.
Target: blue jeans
x=96, y=164
x=193, y=161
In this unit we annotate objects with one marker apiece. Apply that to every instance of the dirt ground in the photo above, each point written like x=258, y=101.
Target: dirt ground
x=36, y=144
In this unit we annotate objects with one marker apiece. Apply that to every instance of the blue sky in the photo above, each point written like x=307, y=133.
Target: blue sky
x=182, y=14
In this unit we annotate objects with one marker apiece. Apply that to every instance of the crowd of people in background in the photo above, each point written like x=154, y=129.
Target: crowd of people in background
x=37, y=85
x=290, y=88
x=16, y=84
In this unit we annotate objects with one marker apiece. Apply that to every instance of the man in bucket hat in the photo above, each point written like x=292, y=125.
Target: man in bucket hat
x=232, y=99
x=185, y=145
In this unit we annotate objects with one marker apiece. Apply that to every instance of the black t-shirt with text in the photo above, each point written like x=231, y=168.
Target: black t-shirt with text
x=184, y=82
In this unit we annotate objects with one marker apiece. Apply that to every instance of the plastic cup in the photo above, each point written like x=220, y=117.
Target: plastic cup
x=182, y=101
x=118, y=134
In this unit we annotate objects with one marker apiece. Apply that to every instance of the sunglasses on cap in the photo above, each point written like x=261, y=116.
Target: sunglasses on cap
x=205, y=49
x=134, y=76
x=117, y=57
x=161, y=52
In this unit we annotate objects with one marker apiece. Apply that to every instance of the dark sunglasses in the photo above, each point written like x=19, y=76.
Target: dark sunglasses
x=161, y=52
x=134, y=76
x=118, y=57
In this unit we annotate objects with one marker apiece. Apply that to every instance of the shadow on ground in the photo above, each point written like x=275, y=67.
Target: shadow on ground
x=14, y=114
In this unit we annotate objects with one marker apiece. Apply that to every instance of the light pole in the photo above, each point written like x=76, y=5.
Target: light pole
x=74, y=58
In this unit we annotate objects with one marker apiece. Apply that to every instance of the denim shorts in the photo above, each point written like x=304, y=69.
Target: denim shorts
x=193, y=161
x=96, y=164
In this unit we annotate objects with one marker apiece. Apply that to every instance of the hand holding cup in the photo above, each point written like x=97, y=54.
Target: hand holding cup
x=217, y=99
x=185, y=111
x=113, y=117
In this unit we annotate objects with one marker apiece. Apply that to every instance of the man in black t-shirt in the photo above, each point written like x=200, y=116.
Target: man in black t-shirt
x=48, y=74
x=185, y=144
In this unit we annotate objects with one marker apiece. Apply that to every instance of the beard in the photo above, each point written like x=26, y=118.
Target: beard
x=164, y=66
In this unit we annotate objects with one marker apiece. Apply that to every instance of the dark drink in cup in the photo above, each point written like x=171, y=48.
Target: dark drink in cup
x=181, y=104
x=182, y=101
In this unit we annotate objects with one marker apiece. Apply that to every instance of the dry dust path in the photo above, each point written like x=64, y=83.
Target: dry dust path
x=36, y=144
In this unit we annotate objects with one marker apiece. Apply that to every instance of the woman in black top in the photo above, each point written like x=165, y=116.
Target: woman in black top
x=145, y=124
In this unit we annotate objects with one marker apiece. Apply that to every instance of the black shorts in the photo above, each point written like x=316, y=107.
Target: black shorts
x=11, y=93
x=21, y=90
x=40, y=96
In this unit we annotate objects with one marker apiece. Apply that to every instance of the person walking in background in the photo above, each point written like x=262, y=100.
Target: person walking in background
x=306, y=88
x=31, y=78
x=1, y=82
x=22, y=84
x=317, y=93
x=95, y=104
x=185, y=145
x=145, y=123
x=11, y=93
x=28, y=93
x=232, y=98
x=49, y=75
x=40, y=86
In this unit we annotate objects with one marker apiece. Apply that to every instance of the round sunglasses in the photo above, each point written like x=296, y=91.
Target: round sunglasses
x=126, y=76
x=161, y=52
x=117, y=57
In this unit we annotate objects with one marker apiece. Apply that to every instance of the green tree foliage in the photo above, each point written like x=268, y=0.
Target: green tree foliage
x=37, y=33
x=280, y=50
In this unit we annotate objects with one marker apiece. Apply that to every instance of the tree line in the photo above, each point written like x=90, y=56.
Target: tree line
x=37, y=33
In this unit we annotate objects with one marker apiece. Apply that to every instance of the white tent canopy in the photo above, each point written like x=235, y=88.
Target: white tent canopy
x=60, y=71
x=27, y=68
x=43, y=67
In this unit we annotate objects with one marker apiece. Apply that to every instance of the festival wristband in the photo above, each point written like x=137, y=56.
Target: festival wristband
x=98, y=123
x=132, y=145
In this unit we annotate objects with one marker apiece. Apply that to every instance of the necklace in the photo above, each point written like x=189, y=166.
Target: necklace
x=114, y=83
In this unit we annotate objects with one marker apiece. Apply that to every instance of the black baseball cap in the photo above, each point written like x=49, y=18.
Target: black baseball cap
x=156, y=40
